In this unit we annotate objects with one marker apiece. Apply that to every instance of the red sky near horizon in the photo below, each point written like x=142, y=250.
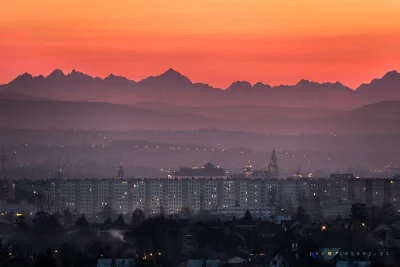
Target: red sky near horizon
x=211, y=41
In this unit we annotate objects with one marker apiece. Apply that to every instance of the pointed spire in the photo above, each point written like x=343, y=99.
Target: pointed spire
x=274, y=158
x=273, y=165
x=249, y=168
x=59, y=173
x=121, y=173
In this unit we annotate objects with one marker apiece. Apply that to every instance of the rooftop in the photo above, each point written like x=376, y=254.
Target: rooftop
x=207, y=170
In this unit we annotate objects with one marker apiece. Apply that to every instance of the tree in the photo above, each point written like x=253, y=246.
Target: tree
x=107, y=212
x=143, y=263
x=82, y=223
x=186, y=213
x=301, y=215
x=67, y=254
x=20, y=223
x=247, y=216
x=107, y=222
x=119, y=222
x=96, y=249
x=272, y=219
x=138, y=217
x=45, y=260
x=45, y=223
x=17, y=262
x=10, y=216
x=359, y=212
x=162, y=211
x=67, y=216
x=386, y=212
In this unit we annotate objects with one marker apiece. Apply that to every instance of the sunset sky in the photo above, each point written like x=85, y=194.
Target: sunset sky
x=211, y=41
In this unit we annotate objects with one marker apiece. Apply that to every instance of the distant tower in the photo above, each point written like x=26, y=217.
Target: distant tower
x=273, y=165
x=121, y=173
x=59, y=173
x=298, y=174
x=3, y=159
x=248, y=171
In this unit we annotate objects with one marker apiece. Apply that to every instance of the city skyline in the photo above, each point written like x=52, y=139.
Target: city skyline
x=213, y=133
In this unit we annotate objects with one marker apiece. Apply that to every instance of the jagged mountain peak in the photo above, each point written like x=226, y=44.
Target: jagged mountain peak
x=22, y=79
x=169, y=78
x=174, y=75
x=56, y=73
x=391, y=74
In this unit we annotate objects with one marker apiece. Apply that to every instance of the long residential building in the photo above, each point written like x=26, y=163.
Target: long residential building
x=214, y=195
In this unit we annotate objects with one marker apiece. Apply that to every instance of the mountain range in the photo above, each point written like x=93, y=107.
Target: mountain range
x=172, y=87
x=380, y=118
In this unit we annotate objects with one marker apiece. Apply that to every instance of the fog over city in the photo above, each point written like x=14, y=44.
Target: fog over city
x=188, y=133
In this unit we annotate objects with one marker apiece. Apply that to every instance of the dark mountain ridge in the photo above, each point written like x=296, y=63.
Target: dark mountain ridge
x=173, y=87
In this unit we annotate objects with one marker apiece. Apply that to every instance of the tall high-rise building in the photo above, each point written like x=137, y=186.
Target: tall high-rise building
x=273, y=165
x=220, y=196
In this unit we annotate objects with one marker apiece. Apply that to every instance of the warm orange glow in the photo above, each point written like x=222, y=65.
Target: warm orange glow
x=213, y=41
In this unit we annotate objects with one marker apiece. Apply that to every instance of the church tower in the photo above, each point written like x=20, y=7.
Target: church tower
x=59, y=174
x=273, y=165
x=248, y=171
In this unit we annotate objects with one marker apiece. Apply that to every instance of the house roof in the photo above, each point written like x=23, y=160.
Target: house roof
x=202, y=263
x=235, y=260
x=212, y=263
x=341, y=239
x=266, y=228
x=208, y=170
x=290, y=223
x=124, y=262
x=346, y=263
x=230, y=244
x=395, y=233
x=194, y=263
x=104, y=262
x=266, y=258
x=243, y=223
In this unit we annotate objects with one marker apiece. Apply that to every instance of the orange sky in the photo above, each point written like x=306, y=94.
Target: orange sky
x=212, y=41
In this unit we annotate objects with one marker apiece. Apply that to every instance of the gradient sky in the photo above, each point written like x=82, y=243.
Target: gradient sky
x=212, y=41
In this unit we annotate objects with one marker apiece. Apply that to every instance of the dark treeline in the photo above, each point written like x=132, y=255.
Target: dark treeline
x=66, y=240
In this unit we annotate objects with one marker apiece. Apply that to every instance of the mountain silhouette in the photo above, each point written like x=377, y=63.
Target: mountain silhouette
x=168, y=79
x=55, y=75
x=172, y=86
x=385, y=88
x=240, y=86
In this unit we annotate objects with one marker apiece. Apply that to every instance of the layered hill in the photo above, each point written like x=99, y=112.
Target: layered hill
x=380, y=118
